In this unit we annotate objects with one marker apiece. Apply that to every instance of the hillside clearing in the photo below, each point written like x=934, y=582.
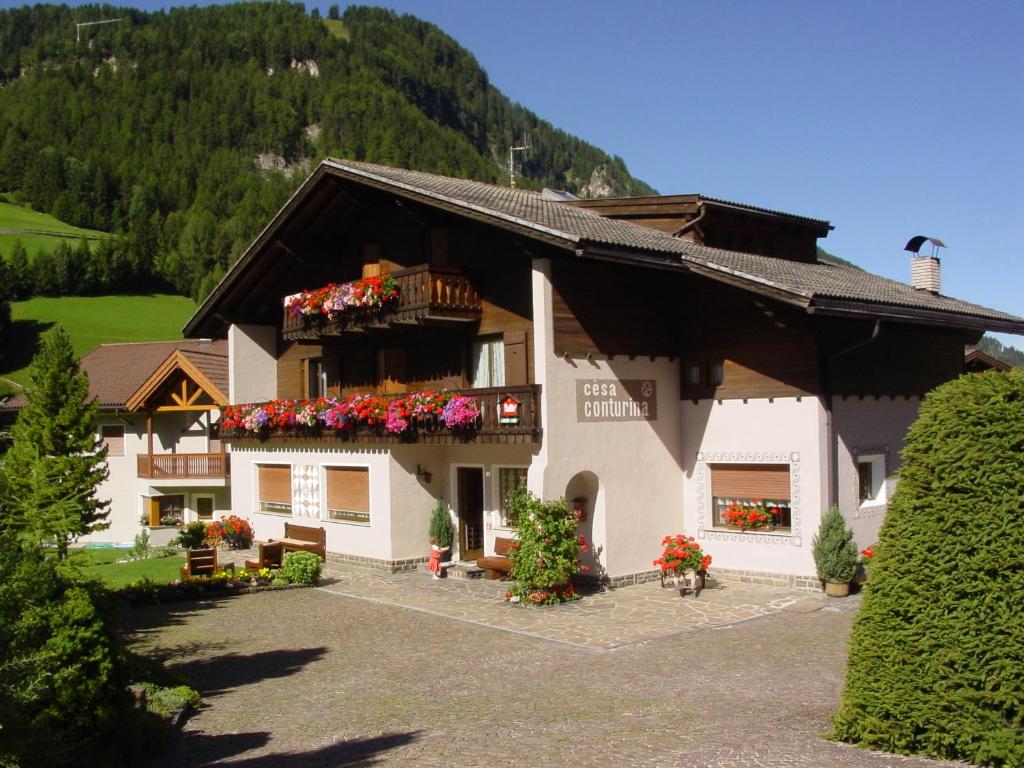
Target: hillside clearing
x=91, y=321
x=37, y=231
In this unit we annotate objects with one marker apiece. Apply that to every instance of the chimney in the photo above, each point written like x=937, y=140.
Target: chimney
x=926, y=273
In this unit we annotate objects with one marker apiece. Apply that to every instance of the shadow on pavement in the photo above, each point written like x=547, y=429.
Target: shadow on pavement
x=216, y=674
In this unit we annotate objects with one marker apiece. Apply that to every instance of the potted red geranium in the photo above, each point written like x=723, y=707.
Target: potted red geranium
x=684, y=562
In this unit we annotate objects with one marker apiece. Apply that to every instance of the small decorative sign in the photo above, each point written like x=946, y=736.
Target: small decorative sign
x=508, y=411
x=616, y=400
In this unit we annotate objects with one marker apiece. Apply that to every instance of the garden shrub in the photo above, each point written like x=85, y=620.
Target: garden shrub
x=546, y=552
x=835, y=554
x=441, y=528
x=63, y=698
x=301, y=568
x=192, y=536
x=937, y=652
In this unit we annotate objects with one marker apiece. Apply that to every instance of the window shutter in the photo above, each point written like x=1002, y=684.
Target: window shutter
x=113, y=438
x=348, y=489
x=515, y=358
x=750, y=481
x=275, y=484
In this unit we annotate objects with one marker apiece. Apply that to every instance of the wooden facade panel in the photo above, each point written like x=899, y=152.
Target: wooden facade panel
x=764, y=349
x=902, y=360
x=614, y=310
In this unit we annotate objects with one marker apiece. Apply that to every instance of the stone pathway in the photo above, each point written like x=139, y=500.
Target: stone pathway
x=603, y=621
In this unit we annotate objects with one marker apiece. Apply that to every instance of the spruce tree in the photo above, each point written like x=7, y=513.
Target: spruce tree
x=56, y=460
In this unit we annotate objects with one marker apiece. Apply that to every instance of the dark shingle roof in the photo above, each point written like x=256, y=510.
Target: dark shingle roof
x=583, y=227
x=116, y=371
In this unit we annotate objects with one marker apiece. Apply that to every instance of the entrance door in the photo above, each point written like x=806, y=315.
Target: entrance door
x=471, y=512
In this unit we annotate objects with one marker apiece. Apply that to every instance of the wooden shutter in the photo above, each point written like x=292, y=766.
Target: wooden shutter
x=113, y=438
x=275, y=484
x=750, y=481
x=348, y=489
x=515, y=358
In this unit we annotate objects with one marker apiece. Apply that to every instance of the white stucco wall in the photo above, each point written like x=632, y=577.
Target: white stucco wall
x=781, y=431
x=637, y=464
x=173, y=432
x=252, y=363
x=400, y=502
x=865, y=426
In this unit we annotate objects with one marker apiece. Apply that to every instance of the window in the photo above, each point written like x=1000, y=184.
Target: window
x=113, y=439
x=508, y=479
x=204, y=508
x=316, y=378
x=172, y=509
x=749, y=484
x=871, y=479
x=348, y=494
x=716, y=373
x=487, y=362
x=274, y=489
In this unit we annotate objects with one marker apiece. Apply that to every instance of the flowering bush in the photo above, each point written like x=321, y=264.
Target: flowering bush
x=546, y=553
x=867, y=554
x=756, y=515
x=335, y=299
x=396, y=415
x=232, y=531
x=682, y=553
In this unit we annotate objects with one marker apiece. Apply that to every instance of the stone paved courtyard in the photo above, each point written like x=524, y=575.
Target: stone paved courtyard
x=373, y=669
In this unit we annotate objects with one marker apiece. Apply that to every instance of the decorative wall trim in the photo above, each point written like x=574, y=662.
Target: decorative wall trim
x=306, y=490
x=704, y=513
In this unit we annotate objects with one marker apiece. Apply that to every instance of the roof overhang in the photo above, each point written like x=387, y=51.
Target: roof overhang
x=175, y=362
x=824, y=306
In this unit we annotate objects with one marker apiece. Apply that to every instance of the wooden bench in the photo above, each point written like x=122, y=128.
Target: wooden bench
x=303, y=538
x=271, y=555
x=497, y=565
x=201, y=562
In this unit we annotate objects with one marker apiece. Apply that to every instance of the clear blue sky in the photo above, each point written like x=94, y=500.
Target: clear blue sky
x=887, y=119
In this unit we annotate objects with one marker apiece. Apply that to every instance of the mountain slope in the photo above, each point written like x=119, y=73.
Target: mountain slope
x=183, y=131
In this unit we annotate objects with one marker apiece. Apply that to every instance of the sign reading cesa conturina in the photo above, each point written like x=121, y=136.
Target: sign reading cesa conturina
x=616, y=400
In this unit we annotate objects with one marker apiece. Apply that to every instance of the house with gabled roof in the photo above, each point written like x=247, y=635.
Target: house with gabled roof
x=397, y=337
x=158, y=402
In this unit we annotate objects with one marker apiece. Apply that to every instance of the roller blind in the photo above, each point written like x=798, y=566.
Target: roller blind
x=750, y=481
x=275, y=484
x=113, y=438
x=348, y=489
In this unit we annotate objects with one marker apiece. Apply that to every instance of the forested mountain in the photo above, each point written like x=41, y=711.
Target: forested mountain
x=1009, y=355
x=184, y=131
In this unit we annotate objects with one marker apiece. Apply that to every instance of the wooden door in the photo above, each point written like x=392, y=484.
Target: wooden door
x=471, y=512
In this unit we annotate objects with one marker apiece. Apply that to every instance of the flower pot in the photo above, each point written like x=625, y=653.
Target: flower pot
x=837, y=588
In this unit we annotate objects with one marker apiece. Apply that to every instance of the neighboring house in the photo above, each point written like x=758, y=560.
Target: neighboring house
x=157, y=402
x=976, y=361
x=651, y=359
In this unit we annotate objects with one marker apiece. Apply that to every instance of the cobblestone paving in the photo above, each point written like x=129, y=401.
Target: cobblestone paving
x=318, y=679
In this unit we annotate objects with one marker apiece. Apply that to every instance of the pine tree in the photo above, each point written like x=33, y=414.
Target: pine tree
x=21, y=271
x=56, y=460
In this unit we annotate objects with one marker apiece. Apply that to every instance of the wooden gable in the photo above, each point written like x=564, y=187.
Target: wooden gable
x=177, y=385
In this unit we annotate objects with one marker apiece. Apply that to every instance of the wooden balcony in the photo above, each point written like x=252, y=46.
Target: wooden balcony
x=185, y=466
x=491, y=426
x=427, y=295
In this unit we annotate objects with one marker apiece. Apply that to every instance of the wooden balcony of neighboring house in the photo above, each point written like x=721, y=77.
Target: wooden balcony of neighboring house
x=507, y=415
x=184, y=466
x=427, y=295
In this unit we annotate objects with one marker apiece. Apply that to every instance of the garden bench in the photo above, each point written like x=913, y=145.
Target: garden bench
x=498, y=565
x=270, y=556
x=303, y=538
x=201, y=562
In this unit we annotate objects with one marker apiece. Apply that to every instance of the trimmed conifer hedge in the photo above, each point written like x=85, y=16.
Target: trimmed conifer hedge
x=937, y=652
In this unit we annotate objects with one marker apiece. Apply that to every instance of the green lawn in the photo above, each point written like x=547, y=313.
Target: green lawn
x=91, y=321
x=39, y=230
x=101, y=564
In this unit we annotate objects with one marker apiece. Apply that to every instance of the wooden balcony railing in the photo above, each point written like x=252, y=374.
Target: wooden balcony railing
x=427, y=294
x=195, y=466
x=521, y=424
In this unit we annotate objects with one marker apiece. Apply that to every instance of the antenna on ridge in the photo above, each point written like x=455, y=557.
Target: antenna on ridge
x=80, y=24
x=525, y=149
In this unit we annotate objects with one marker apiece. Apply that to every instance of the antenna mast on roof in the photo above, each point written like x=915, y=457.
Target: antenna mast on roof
x=80, y=24
x=525, y=149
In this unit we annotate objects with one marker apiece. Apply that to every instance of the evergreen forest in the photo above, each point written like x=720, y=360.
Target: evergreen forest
x=181, y=132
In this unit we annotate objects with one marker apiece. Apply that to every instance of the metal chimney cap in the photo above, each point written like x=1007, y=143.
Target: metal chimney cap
x=914, y=244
